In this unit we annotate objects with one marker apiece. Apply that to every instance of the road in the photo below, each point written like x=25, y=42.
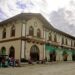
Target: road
x=67, y=68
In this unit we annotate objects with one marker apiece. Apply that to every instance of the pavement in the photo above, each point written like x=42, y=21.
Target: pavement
x=63, y=68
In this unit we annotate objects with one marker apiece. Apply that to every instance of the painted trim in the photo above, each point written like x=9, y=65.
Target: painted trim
x=25, y=41
x=44, y=54
x=13, y=39
x=21, y=40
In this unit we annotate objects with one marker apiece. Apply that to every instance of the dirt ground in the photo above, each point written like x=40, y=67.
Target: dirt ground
x=65, y=68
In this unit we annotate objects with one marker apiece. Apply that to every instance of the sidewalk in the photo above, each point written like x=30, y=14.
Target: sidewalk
x=57, y=62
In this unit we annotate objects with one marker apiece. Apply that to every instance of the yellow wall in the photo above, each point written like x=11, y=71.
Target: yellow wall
x=28, y=47
x=16, y=44
x=17, y=25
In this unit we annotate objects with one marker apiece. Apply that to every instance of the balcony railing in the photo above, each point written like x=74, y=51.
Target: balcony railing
x=35, y=39
x=67, y=46
x=53, y=43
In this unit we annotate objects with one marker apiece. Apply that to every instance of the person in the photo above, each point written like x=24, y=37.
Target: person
x=3, y=61
x=9, y=60
x=12, y=62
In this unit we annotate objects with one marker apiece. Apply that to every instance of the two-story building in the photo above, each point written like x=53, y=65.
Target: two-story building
x=31, y=36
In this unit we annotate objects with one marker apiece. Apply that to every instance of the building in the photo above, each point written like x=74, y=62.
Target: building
x=31, y=36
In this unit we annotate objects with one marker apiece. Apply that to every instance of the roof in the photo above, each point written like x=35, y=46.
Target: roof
x=27, y=16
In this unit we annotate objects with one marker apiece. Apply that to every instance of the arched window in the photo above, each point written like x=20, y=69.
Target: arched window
x=31, y=31
x=55, y=38
x=12, y=52
x=4, y=33
x=38, y=33
x=3, y=51
x=50, y=36
x=13, y=31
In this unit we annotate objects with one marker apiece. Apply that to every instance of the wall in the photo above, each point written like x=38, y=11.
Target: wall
x=16, y=44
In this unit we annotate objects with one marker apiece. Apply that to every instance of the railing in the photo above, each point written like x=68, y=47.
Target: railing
x=67, y=46
x=35, y=39
x=53, y=43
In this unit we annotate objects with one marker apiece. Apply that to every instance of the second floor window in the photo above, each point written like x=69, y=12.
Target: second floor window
x=4, y=33
x=62, y=40
x=66, y=41
x=13, y=31
x=50, y=36
x=38, y=33
x=31, y=31
x=71, y=43
x=55, y=38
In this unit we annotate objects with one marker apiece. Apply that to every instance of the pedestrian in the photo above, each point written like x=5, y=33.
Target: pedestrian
x=12, y=62
x=3, y=61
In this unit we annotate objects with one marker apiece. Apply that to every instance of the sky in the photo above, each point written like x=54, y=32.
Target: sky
x=9, y=8
x=60, y=13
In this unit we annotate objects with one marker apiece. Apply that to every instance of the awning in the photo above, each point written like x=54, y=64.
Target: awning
x=50, y=48
x=66, y=51
x=73, y=51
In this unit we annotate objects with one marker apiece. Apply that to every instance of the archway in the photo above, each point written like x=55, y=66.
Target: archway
x=34, y=53
x=73, y=55
x=65, y=55
x=3, y=51
x=12, y=52
x=52, y=56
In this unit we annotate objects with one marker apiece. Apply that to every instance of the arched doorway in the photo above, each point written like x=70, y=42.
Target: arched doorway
x=52, y=56
x=73, y=55
x=34, y=53
x=65, y=55
x=3, y=51
x=12, y=52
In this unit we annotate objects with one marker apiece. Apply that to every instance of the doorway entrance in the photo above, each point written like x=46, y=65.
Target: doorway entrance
x=12, y=52
x=52, y=56
x=73, y=55
x=34, y=53
x=65, y=55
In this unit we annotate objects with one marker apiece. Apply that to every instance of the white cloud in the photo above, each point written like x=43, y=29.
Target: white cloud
x=56, y=4
x=43, y=6
x=65, y=14
x=71, y=15
x=64, y=19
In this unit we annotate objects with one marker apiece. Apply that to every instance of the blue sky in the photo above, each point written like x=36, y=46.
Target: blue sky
x=60, y=13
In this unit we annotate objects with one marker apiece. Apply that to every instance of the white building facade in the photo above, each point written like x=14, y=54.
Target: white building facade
x=31, y=36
